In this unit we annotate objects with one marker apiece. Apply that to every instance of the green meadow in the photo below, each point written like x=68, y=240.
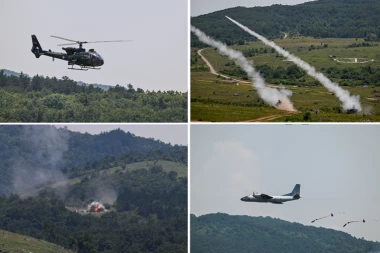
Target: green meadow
x=218, y=99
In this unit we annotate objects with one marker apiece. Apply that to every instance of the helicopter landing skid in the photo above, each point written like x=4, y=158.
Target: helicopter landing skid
x=84, y=68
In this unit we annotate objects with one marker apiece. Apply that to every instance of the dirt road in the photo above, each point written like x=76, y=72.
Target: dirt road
x=212, y=70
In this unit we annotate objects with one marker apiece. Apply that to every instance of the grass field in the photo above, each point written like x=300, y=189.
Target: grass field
x=215, y=99
x=12, y=243
x=166, y=165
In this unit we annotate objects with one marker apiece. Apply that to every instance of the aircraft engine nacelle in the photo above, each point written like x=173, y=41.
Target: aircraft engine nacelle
x=70, y=50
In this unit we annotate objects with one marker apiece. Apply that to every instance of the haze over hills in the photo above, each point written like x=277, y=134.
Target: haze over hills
x=233, y=233
x=320, y=19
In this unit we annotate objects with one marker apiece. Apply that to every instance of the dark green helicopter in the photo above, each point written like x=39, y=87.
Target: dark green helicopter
x=74, y=56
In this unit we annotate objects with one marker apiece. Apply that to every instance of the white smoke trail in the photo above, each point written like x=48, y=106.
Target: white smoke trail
x=349, y=102
x=270, y=95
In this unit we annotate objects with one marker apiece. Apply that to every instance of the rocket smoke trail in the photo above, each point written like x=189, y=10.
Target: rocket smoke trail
x=332, y=215
x=352, y=222
x=349, y=102
x=322, y=218
x=277, y=98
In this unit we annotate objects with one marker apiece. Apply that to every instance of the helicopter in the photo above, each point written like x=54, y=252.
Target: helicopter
x=74, y=56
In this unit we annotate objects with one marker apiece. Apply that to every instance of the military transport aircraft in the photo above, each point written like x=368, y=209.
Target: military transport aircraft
x=264, y=198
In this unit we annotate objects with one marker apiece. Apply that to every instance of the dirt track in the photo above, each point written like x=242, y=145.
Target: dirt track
x=271, y=117
x=263, y=119
x=212, y=70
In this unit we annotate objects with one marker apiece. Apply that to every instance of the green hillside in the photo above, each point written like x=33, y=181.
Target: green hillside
x=63, y=154
x=12, y=243
x=319, y=19
x=232, y=233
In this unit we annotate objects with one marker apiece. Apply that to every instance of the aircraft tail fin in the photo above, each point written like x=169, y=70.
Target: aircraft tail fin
x=296, y=191
x=36, y=49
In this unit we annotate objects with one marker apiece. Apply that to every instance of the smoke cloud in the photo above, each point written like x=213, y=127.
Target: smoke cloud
x=47, y=145
x=349, y=102
x=270, y=95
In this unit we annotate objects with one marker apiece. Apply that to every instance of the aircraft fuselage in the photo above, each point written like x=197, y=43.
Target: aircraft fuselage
x=274, y=199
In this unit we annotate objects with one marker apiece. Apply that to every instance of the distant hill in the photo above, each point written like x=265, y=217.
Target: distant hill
x=96, y=85
x=11, y=73
x=12, y=243
x=221, y=233
x=321, y=18
x=55, y=152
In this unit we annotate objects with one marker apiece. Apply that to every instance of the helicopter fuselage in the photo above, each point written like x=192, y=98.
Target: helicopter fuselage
x=85, y=59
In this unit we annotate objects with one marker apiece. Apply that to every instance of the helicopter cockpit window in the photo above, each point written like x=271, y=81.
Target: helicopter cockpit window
x=97, y=55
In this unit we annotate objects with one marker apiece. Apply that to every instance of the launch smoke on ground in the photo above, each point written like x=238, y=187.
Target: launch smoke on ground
x=277, y=98
x=349, y=102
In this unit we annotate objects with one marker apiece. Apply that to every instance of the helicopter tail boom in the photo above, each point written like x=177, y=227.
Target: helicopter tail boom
x=36, y=49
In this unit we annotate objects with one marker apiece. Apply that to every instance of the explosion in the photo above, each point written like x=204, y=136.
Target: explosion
x=96, y=207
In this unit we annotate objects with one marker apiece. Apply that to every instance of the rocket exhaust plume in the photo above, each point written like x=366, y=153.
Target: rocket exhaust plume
x=353, y=221
x=350, y=103
x=277, y=98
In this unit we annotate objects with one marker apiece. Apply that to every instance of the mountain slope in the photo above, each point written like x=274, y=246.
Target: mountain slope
x=28, y=151
x=321, y=18
x=225, y=233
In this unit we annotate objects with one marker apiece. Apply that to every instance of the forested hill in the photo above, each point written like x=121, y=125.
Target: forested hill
x=147, y=214
x=45, y=99
x=225, y=233
x=321, y=18
x=27, y=150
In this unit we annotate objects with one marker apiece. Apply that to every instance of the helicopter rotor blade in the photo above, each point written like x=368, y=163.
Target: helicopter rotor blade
x=64, y=38
x=67, y=44
x=85, y=42
x=102, y=41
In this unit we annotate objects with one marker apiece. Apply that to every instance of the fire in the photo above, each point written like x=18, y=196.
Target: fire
x=96, y=207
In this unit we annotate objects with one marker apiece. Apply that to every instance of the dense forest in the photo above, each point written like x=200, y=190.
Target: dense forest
x=225, y=233
x=45, y=99
x=319, y=19
x=149, y=215
x=50, y=149
x=57, y=172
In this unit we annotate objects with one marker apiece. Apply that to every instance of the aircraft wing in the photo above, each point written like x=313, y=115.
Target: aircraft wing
x=265, y=196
